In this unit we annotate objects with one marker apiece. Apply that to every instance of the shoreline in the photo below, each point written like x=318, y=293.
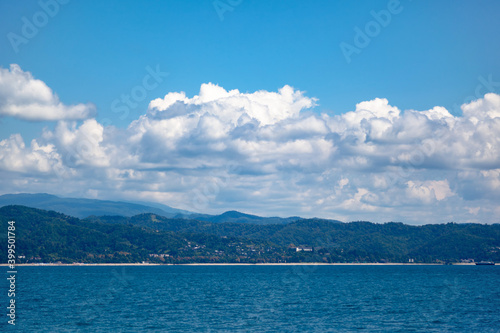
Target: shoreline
x=242, y=264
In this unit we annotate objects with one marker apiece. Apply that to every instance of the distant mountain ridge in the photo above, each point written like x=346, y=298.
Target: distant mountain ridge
x=233, y=216
x=83, y=208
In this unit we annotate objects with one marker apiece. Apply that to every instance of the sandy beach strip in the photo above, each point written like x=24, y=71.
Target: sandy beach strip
x=239, y=264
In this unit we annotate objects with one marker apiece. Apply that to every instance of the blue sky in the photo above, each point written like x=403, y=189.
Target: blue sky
x=426, y=54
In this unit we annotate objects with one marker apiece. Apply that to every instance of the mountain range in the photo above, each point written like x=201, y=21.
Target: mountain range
x=83, y=208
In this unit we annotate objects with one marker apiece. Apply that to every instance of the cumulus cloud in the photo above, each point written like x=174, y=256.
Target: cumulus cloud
x=83, y=143
x=267, y=153
x=428, y=191
x=36, y=159
x=22, y=96
x=233, y=107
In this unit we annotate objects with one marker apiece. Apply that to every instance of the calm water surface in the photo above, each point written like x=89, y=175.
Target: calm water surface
x=256, y=299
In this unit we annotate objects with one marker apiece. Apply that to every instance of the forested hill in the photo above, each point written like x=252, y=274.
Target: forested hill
x=43, y=236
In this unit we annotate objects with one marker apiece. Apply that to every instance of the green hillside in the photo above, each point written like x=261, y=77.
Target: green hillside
x=47, y=236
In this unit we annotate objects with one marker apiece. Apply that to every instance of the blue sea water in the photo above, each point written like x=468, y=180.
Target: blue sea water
x=256, y=299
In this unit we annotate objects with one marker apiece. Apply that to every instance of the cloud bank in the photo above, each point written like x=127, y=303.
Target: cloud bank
x=269, y=153
x=24, y=97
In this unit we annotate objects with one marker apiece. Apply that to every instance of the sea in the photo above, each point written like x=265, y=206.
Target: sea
x=255, y=298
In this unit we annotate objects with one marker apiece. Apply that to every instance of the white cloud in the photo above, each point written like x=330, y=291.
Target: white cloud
x=430, y=190
x=37, y=159
x=360, y=201
x=473, y=210
x=484, y=108
x=265, y=153
x=83, y=143
x=232, y=106
x=25, y=97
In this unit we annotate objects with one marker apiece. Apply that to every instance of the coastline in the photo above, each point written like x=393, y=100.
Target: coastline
x=242, y=264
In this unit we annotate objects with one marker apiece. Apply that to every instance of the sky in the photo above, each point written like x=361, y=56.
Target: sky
x=367, y=110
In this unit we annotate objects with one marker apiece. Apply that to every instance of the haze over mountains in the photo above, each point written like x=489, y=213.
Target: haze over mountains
x=83, y=208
